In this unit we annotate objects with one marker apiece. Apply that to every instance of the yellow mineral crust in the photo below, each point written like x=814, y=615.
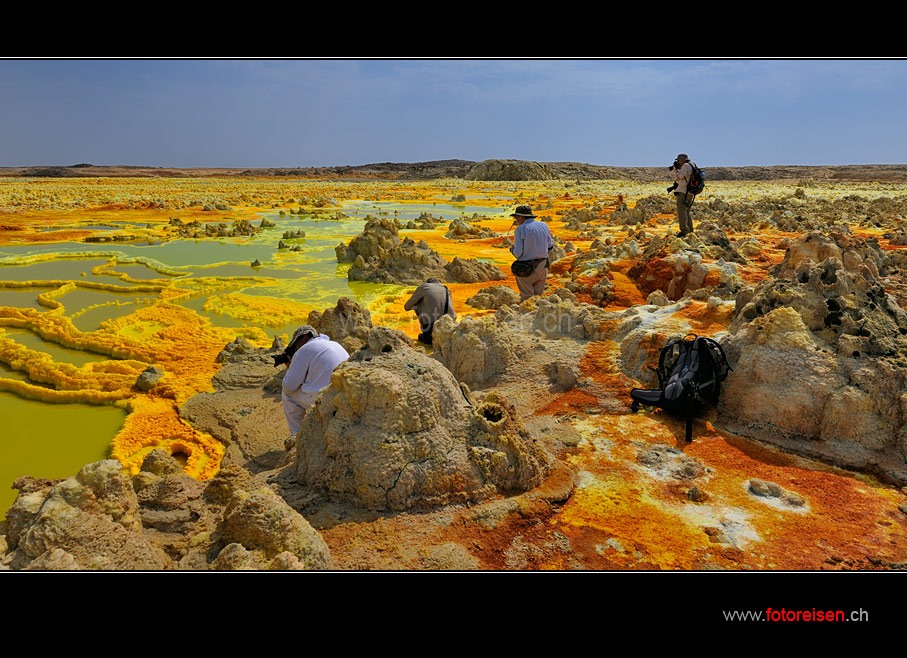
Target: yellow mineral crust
x=783, y=327
x=88, y=285
x=106, y=269
x=113, y=377
x=154, y=423
x=184, y=344
x=262, y=310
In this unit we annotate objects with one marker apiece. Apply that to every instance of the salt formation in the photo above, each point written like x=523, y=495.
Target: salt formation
x=159, y=519
x=475, y=350
x=196, y=229
x=676, y=266
x=395, y=430
x=494, y=297
x=820, y=358
x=378, y=255
x=347, y=323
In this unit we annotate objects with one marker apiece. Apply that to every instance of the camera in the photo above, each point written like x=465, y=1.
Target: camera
x=289, y=351
x=676, y=165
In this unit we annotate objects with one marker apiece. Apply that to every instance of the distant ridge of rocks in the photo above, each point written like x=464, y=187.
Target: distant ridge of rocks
x=509, y=170
x=494, y=169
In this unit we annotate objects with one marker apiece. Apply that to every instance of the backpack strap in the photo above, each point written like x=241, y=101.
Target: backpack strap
x=715, y=345
x=661, y=371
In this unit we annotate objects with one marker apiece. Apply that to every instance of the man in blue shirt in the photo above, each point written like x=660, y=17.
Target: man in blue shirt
x=531, y=242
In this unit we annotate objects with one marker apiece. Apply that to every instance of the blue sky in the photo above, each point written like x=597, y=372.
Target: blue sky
x=274, y=113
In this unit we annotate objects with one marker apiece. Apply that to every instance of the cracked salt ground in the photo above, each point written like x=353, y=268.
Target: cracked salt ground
x=723, y=525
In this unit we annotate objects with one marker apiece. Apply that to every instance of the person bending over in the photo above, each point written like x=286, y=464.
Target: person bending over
x=430, y=301
x=313, y=358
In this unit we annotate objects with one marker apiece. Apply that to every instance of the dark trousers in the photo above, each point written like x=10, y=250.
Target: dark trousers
x=684, y=201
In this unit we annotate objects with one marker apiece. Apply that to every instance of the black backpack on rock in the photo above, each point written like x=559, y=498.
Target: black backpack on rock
x=690, y=373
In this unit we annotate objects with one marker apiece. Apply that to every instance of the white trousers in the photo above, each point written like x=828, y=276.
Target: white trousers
x=294, y=409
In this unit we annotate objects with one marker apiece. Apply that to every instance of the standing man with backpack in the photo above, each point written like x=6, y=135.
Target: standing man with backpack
x=683, y=172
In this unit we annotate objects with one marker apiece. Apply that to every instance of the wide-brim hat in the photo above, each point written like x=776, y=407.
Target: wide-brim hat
x=523, y=211
x=304, y=330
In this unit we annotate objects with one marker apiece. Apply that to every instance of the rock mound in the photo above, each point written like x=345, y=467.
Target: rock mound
x=261, y=521
x=774, y=493
x=148, y=378
x=378, y=255
x=556, y=316
x=379, y=236
x=394, y=430
x=405, y=263
x=470, y=270
x=820, y=358
x=460, y=230
x=509, y=170
x=494, y=297
x=347, y=323
x=243, y=412
x=475, y=350
x=160, y=519
x=670, y=462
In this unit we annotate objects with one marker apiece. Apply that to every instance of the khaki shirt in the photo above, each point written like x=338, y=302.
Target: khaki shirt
x=682, y=176
x=429, y=302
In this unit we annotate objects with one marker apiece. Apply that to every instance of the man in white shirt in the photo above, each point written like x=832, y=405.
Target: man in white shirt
x=682, y=173
x=313, y=358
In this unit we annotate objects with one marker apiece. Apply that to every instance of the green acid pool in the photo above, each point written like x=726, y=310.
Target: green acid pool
x=51, y=440
x=56, y=440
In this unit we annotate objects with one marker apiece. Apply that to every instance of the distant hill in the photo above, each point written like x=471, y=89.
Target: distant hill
x=520, y=169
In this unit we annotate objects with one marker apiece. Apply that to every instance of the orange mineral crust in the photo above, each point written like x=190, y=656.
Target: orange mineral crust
x=704, y=321
x=626, y=293
x=627, y=513
x=155, y=423
x=600, y=364
x=569, y=402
